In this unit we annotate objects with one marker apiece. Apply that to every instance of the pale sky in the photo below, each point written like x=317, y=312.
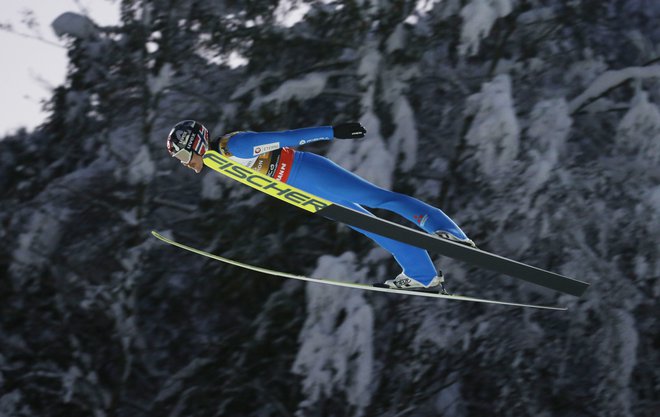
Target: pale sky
x=30, y=68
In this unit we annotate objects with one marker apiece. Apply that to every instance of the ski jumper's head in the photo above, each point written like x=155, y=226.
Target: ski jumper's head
x=188, y=141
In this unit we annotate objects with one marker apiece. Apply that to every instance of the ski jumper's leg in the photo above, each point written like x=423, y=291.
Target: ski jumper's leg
x=310, y=173
x=415, y=262
x=339, y=184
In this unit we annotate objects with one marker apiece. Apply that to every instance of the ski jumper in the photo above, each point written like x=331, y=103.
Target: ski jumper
x=270, y=154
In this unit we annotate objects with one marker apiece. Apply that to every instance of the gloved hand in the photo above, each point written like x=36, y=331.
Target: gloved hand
x=352, y=130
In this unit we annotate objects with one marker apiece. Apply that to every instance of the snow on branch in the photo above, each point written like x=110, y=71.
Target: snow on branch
x=495, y=132
x=336, y=342
x=304, y=88
x=609, y=80
x=479, y=16
x=290, y=12
x=75, y=25
x=639, y=130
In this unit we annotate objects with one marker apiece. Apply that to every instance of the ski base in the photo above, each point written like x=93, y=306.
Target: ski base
x=367, y=287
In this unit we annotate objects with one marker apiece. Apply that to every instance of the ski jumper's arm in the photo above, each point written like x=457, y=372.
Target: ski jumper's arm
x=251, y=144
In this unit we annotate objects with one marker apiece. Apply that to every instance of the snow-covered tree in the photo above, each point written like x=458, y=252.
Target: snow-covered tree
x=534, y=124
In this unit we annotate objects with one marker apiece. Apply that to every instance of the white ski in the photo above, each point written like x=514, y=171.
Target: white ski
x=343, y=283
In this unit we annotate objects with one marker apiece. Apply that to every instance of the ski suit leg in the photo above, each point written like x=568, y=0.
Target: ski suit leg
x=321, y=173
x=325, y=179
x=415, y=262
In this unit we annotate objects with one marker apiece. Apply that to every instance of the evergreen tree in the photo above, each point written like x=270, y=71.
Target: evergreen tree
x=533, y=123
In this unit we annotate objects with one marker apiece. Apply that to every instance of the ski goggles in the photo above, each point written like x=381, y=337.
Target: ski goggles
x=183, y=155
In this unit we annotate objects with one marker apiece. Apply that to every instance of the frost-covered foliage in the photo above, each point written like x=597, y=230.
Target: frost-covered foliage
x=75, y=25
x=336, y=350
x=494, y=133
x=479, y=16
x=638, y=132
x=534, y=124
x=550, y=126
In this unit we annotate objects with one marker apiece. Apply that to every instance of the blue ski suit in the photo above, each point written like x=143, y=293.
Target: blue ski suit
x=270, y=154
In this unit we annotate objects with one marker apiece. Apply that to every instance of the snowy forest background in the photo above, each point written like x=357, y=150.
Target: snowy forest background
x=533, y=123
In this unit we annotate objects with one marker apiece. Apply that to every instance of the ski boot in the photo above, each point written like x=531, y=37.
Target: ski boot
x=404, y=282
x=448, y=236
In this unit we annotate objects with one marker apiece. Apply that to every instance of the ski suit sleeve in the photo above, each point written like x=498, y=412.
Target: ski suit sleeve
x=251, y=144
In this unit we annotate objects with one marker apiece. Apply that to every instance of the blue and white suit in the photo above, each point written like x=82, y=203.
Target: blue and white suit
x=270, y=154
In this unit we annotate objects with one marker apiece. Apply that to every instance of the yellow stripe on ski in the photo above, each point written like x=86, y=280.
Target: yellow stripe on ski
x=343, y=283
x=264, y=183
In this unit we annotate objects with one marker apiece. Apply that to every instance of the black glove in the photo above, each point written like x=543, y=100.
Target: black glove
x=351, y=130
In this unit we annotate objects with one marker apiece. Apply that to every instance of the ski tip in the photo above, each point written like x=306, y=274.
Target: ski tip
x=159, y=236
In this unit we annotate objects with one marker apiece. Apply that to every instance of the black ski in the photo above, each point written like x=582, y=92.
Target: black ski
x=457, y=251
